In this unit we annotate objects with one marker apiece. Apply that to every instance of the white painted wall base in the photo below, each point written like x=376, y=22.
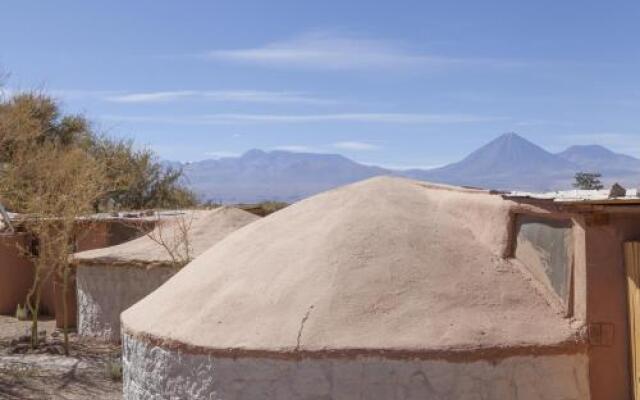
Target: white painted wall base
x=151, y=372
x=105, y=292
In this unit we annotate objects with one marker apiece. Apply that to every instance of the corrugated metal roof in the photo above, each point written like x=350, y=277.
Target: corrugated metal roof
x=121, y=215
x=631, y=196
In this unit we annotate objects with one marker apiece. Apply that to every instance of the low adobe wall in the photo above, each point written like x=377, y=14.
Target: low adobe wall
x=16, y=273
x=152, y=372
x=106, y=291
x=91, y=235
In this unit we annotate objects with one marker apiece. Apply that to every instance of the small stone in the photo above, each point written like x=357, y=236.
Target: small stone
x=55, y=349
x=19, y=348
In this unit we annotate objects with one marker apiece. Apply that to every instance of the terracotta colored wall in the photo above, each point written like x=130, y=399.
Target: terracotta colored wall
x=90, y=236
x=120, y=232
x=16, y=274
x=607, y=303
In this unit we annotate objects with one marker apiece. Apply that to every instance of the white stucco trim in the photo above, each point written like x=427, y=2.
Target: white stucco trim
x=152, y=372
x=104, y=292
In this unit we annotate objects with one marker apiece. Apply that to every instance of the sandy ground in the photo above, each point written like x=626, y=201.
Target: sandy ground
x=44, y=374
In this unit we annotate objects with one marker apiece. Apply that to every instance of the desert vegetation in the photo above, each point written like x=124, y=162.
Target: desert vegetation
x=55, y=169
x=588, y=181
x=174, y=238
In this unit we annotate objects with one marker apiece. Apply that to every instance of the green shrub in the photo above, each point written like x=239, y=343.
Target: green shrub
x=113, y=369
x=22, y=314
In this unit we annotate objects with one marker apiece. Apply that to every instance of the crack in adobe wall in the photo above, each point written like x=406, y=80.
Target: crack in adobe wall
x=302, y=322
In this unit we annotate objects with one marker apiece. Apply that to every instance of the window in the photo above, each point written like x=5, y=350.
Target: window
x=545, y=246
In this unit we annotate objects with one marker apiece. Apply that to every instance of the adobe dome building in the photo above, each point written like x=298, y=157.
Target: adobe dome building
x=389, y=289
x=111, y=279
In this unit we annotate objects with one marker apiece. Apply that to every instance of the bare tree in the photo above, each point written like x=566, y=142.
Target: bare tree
x=56, y=170
x=55, y=187
x=173, y=235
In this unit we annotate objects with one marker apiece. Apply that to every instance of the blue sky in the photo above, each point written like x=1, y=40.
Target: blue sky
x=399, y=84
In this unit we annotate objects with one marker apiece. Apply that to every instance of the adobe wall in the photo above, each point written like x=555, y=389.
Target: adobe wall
x=104, y=292
x=607, y=304
x=109, y=232
x=120, y=231
x=16, y=273
x=92, y=235
x=152, y=372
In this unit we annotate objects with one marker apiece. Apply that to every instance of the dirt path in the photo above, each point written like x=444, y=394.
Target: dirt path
x=47, y=375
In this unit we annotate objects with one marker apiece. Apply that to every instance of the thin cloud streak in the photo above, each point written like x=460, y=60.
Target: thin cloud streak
x=389, y=118
x=326, y=50
x=296, y=148
x=154, y=97
x=240, y=96
x=356, y=146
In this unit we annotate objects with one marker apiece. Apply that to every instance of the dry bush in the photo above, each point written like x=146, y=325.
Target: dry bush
x=55, y=170
x=113, y=370
x=174, y=237
x=55, y=186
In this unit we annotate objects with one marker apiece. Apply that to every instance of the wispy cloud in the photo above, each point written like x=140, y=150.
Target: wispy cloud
x=543, y=122
x=328, y=50
x=68, y=94
x=296, y=148
x=82, y=94
x=357, y=146
x=239, y=96
x=389, y=118
x=167, y=96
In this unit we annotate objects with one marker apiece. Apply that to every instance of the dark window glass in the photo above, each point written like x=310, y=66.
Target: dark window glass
x=545, y=246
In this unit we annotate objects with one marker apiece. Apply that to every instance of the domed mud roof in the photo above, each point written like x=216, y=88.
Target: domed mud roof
x=383, y=265
x=204, y=229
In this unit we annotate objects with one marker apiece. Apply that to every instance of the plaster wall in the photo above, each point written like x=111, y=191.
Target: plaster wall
x=607, y=303
x=104, y=292
x=152, y=372
x=91, y=235
x=16, y=273
x=123, y=231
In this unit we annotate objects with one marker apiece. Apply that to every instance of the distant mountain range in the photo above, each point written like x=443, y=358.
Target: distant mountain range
x=508, y=162
x=276, y=175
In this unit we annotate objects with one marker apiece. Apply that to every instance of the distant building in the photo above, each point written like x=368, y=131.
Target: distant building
x=17, y=270
x=111, y=279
